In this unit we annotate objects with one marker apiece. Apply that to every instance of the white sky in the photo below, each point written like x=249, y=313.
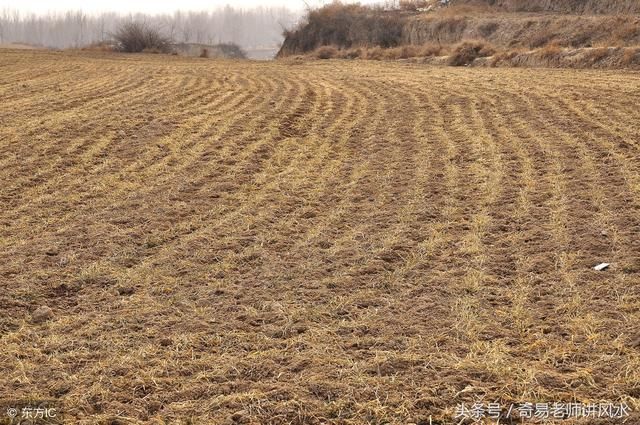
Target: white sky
x=148, y=6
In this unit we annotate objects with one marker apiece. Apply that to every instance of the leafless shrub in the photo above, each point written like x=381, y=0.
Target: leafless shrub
x=353, y=53
x=631, y=56
x=402, y=52
x=626, y=33
x=136, y=37
x=468, y=51
x=596, y=55
x=376, y=53
x=488, y=28
x=541, y=39
x=326, y=52
x=344, y=26
x=431, y=49
x=409, y=51
x=502, y=57
x=550, y=51
x=581, y=39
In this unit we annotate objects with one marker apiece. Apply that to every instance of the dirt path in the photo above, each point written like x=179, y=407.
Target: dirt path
x=326, y=242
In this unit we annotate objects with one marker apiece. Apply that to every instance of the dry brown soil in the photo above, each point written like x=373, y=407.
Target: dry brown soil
x=339, y=242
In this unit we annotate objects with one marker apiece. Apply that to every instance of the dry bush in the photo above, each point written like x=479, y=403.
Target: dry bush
x=430, y=49
x=376, y=53
x=550, y=51
x=626, y=33
x=326, y=52
x=630, y=57
x=503, y=57
x=403, y=52
x=593, y=56
x=353, y=53
x=392, y=53
x=582, y=38
x=344, y=26
x=488, y=28
x=540, y=39
x=468, y=51
x=409, y=51
x=136, y=37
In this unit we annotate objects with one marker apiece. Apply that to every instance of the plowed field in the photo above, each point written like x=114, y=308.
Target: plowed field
x=341, y=242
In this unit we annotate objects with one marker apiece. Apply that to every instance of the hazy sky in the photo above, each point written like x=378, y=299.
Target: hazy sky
x=148, y=6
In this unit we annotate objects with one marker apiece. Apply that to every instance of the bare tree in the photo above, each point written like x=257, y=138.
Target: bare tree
x=136, y=36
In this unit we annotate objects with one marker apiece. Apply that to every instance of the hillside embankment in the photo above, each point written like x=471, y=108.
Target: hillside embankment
x=557, y=6
x=538, y=33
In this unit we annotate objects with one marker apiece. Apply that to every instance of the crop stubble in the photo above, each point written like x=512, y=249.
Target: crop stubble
x=287, y=242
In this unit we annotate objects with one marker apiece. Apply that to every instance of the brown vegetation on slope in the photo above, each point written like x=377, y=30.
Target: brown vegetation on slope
x=357, y=31
x=558, y=6
x=344, y=26
x=524, y=31
x=555, y=57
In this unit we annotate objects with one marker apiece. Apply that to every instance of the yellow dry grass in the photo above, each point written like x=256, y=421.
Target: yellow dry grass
x=303, y=243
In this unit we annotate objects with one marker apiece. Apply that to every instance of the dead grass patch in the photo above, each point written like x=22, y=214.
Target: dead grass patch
x=468, y=51
x=218, y=242
x=326, y=52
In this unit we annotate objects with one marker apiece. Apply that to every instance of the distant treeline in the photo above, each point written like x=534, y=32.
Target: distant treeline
x=249, y=28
